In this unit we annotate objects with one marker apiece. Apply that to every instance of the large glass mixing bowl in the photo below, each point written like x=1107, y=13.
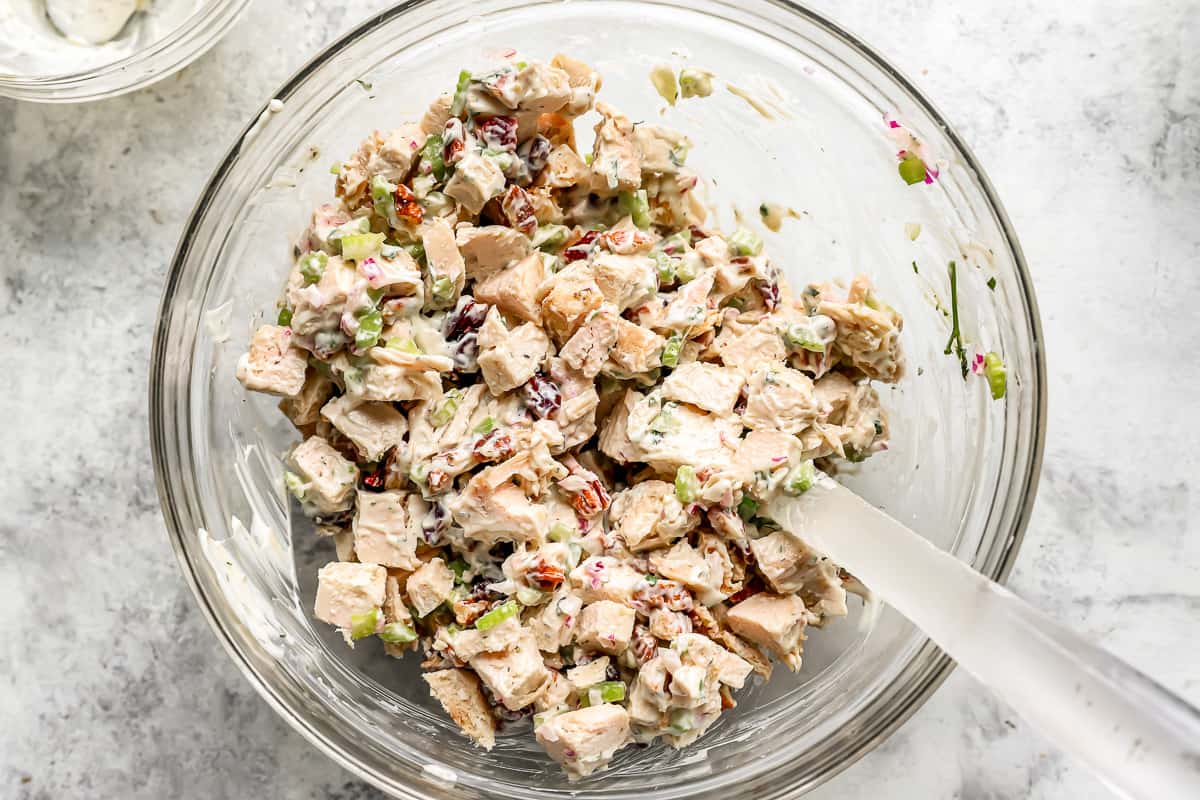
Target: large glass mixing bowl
x=962, y=468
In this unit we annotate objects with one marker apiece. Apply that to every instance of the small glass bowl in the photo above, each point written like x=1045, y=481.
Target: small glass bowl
x=175, y=33
x=962, y=468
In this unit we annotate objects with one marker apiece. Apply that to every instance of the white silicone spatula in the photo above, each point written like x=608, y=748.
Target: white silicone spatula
x=1139, y=738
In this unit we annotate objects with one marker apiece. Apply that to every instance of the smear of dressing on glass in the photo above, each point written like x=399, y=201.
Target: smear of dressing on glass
x=91, y=21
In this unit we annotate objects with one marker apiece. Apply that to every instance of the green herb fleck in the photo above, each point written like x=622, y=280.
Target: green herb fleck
x=955, y=343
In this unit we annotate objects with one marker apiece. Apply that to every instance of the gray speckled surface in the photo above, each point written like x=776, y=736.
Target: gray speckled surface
x=1088, y=121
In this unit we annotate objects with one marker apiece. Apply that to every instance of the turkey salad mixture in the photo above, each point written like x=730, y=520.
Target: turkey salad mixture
x=542, y=404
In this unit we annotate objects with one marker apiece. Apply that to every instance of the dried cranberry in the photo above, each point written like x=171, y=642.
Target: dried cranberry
x=535, y=153
x=465, y=353
x=581, y=248
x=467, y=317
x=697, y=232
x=499, y=133
x=376, y=478
x=407, y=206
x=435, y=523
x=542, y=396
x=454, y=141
x=518, y=209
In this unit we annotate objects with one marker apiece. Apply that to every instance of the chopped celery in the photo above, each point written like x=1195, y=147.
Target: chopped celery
x=682, y=721
x=991, y=283
x=662, y=77
x=295, y=484
x=603, y=692
x=802, y=336
x=416, y=250
x=418, y=473
x=459, y=568
x=748, y=507
x=353, y=378
x=459, y=105
x=670, y=354
x=678, y=155
x=743, y=242
x=439, y=204
x=335, y=168
x=506, y=610
x=676, y=243
x=560, y=532
x=687, y=486
x=370, y=325
x=530, y=597
x=445, y=412
x=695, y=82
x=443, y=289
x=364, y=624
x=542, y=717
x=912, y=169
x=665, y=268
x=486, y=426
x=397, y=633
x=360, y=246
x=996, y=374
x=637, y=206
x=432, y=153
x=406, y=345
x=356, y=225
x=383, y=198
x=688, y=267
x=550, y=237
x=800, y=479
x=312, y=266
x=285, y=317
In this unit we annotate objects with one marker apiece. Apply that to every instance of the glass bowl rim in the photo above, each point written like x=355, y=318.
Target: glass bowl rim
x=179, y=48
x=1023, y=486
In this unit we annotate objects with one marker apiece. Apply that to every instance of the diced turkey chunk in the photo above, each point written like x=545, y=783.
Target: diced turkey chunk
x=588, y=675
x=649, y=515
x=514, y=290
x=515, y=676
x=476, y=180
x=868, y=330
x=460, y=695
x=707, y=386
x=615, y=163
x=605, y=578
x=491, y=509
x=584, y=82
x=695, y=648
x=374, y=428
x=585, y=740
x=442, y=256
x=774, y=621
x=328, y=477
x=588, y=349
x=638, y=350
x=790, y=566
x=689, y=566
x=305, y=408
x=571, y=297
x=429, y=586
x=535, y=87
x=434, y=120
x=780, y=398
x=395, y=383
x=325, y=220
x=344, y=590
x=606, y=626
x=399, y=152
x=490, y=248
x=509, y=358
x=833, y=393
x=625, y=281
x=744, y=348
x=661, y=150
x=564, y=168
x=387, y=528
x=273, y=364
x=667, y=435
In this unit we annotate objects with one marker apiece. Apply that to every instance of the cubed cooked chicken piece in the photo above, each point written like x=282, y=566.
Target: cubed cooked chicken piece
x=585, y=740
x=868, y=330
x=588, y=349
x=661, y=150
x=615, y=162
x=564, y=168
x=305, y=407
x=791, y=566
x=606, y=626
x=708, y=386
x=462, y=698
x=689, y=566
x=476, y=180
x=345, y=590
x=398, y=153
x=434, y=120
x=387, y=528
x=514, y=289
x=509, y=358
x=374, y=428
x=695, y=648
x=491, y=248
x=780, y=398
x=489, y=512
x=444, y=262
x=274, y=365
x=429, y=586
x=625, y=281
x=648, y=515
x=638, y=350
x=515, y=676
x=584, y=677
x=667, y=435
x=774, y=621
x=396, y=384
x=605, y=578
x=745, y=347
x=327, y=476
x=571, y=297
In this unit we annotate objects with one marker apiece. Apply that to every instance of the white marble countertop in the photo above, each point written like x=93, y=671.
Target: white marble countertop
x=1087, y=118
